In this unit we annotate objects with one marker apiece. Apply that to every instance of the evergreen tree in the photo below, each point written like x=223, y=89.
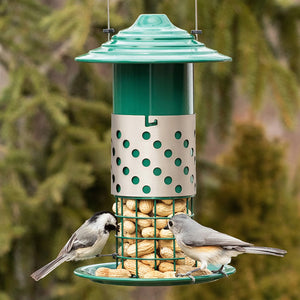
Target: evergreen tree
x=243, y=30
x=254, y=203
x=55, y=115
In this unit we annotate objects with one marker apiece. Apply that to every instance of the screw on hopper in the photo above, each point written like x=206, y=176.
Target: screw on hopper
x=153, y=151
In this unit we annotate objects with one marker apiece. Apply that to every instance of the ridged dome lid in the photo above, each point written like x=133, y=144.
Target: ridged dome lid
x=152, y=39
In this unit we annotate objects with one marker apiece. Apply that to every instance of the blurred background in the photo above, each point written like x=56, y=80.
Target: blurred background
x=55, y=140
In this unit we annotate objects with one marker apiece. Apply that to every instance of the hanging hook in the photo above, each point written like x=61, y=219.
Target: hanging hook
x=196, y=32
x=108, y=30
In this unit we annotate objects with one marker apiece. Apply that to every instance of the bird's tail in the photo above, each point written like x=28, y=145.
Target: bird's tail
x=45, y=270
x=265, y=250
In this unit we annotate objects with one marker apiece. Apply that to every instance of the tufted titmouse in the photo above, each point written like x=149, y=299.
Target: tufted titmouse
x=86, y=242
x=210, y=246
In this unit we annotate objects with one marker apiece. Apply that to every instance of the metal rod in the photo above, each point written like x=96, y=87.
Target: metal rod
x=196, y=18
x=136, y=240
x=108, y=21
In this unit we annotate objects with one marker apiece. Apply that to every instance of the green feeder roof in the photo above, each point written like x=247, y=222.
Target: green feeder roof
x=152, y=39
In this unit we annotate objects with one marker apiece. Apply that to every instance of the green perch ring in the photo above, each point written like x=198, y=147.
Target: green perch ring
x=88, y=272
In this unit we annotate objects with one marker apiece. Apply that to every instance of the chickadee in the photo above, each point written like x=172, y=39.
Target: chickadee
x=210, y=246
x=86, y=242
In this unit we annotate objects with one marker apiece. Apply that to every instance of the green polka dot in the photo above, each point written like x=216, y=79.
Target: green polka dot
x=126, y=144
x=177, y=162
x=168, y=153
x=178, y=189
x=146, y=162
x=186, y=170
x=113, y=178
x=157, y=144
x=125, y=171
x=118, y=188
x=157, y=171
x=135, y=180
x=146, y=135
x=168, y=180
x=177, y=135
x=192, y=179
x=135, y=153
x=192, y=151
x=186, y=143
x=118, y=160
x=146, y=189
x=118, y=134
x=113, y=151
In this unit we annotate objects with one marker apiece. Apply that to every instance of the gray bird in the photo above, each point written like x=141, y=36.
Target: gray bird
x=210, y=246
x=86, y=242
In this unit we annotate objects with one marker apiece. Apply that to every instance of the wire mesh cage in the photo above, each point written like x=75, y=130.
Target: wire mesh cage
x=147, y=249
x=143, y=238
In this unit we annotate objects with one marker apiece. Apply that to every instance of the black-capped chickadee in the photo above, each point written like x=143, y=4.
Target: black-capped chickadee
x=210, y=246
x=86, y=242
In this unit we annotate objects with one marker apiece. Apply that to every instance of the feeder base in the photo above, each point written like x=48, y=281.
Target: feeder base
x=89, y=271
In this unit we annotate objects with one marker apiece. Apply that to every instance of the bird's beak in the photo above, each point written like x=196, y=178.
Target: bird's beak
x=118, y=228
x=167, y=227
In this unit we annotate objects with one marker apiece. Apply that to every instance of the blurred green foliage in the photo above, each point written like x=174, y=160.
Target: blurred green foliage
x=55, y=133
x=255, y=202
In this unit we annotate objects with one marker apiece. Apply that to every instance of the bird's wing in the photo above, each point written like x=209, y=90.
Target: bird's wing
x=204, y=236
x=81, y=238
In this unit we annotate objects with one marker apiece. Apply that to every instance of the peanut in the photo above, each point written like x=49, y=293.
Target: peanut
x=145, y=206
x=160, y=223
x=170, y=274
x=130, y=265
x=166, y=252
x=169, y=244
x=131, y=235
x=120, y=200
x=128, y=213
x=106, y=272
x=167, y=201
x=154, y=274
x=143, y=247
x=114, y=208
x=165, y=210
x=102, y=272
x=151, y=262
x=165, y=233
x=130, y=203
x=128, y=226
x=189, y=261
x=148, y=232
x=184, y=269
x=186, y=261
x=165, y=267
x=143, y=222
x=125, y=247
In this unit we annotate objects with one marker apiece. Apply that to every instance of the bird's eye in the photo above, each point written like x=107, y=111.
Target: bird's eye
x=170, y=223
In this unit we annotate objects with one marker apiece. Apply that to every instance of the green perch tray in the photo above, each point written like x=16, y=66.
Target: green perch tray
x=89, y=273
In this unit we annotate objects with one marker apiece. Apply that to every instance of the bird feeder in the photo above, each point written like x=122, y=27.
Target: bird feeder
x=153, y=147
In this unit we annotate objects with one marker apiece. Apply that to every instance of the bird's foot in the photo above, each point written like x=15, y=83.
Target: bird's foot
x=220, y=271
x=188, y=274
